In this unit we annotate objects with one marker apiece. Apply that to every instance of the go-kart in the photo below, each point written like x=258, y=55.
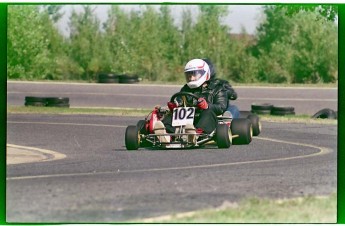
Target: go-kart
x=228, y=131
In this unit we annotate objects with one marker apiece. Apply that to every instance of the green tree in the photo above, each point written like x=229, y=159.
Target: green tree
x=57, y=47
x=121, y=33
x=85, y=47
x=316, y=58
x=28, y=55
x=300, y=49
x=208, y=38
x=328, y=11
x=145, y=43
x=242, y=65
x=170, y=41
x=54, y=12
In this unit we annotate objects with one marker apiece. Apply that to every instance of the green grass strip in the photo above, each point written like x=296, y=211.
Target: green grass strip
x=254, y=210
x=78, y=111
x=142, y=112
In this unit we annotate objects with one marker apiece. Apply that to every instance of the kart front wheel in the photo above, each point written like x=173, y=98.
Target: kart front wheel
x=223, y=136
x=132, y=138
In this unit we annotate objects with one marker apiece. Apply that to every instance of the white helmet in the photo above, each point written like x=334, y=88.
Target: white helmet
x=197, y=72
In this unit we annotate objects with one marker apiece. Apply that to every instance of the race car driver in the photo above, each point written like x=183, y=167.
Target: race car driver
x=213, y=101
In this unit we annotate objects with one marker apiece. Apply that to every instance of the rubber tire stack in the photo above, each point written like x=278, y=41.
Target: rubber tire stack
x=47, y=101
x=262, y=109
x=113, y=78
x=57, y=102
x=266, y=109
x=130, y=79
x=282, y=110
x=108, y=78
x=35, y=101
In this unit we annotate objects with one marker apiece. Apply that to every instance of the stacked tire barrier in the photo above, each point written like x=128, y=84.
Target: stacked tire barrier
x=113, y=78
x=35, y=101
x=270, y=109
x=47, y=101
x=263, y=109
x=108, y=78
x=282, y=110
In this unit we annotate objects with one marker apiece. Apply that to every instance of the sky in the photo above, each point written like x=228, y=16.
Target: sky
x=246, y=16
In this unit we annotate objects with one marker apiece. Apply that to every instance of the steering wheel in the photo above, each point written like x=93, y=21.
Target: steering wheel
x=186, y=95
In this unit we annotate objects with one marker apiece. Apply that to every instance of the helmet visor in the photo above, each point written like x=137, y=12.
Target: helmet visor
x=194, y=75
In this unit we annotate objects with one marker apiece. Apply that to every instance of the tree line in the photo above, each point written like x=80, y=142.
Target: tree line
x=291, y=45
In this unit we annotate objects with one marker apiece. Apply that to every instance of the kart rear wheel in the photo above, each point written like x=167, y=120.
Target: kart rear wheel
x=256, y=124
x=223, y=136
x=132, y=138
x=254, y=119
x=242, y=129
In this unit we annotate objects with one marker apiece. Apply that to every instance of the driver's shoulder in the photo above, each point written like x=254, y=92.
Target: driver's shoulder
x=217, y=84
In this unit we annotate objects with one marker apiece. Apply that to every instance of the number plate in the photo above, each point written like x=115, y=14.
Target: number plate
x=183, y=116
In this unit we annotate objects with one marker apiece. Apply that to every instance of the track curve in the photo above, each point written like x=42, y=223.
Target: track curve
x=99, y=181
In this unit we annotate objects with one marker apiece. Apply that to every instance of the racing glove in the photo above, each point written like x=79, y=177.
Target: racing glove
x=171, y=106
x=202, y=103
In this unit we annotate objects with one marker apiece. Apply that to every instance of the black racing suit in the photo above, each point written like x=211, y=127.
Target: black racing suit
x=232, y=95
x=217, y=99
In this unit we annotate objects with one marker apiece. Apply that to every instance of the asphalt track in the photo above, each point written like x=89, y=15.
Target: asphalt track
x=85, y=174
x=304, y=100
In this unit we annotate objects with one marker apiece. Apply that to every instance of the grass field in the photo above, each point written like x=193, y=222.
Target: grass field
x=141, y=112
x=298, y=210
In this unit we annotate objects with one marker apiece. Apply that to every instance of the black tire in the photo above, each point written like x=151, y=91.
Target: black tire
x=132, y=138
x=262, y=112
x=283, y=108
x=105, y=75
x=129, y=79
x=223, y=136
x=256, y=124
x=326, y=113
x=35, y=99
x=241, y=127
x=108, y=78
x=113, y=80
x=35, y=104
x=261, y=107
x=57, y=100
